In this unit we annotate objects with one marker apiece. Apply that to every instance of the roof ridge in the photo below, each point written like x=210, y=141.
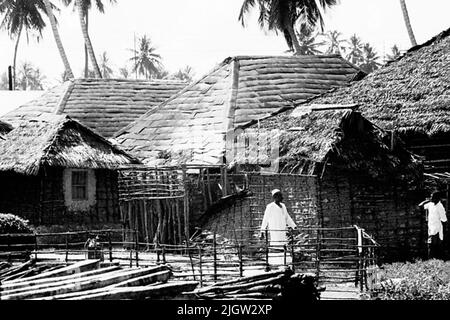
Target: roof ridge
x=188, y=87
x=79, y=80
x=60, y=106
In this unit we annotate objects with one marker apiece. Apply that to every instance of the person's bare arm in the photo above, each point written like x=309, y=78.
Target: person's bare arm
x=424, y=202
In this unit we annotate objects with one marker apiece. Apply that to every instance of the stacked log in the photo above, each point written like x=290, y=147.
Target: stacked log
x=275, y=285
x=88, y=280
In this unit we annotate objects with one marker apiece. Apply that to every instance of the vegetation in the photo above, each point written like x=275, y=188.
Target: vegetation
x=19, y=16
x=10, y=223
x=30, y=77
x=282, y=16
x=105, y=66
x=145, y=59
x=83, y=7
x=412, y=38
x=308, y=42
x=421, y=280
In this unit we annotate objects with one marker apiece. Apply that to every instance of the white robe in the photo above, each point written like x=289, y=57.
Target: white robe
x=436, y=215
x=276, y=220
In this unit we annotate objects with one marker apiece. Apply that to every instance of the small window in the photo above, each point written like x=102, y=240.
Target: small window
x=79, y=185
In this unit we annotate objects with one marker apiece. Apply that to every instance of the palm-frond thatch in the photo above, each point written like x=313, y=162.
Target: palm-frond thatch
x=57, y=140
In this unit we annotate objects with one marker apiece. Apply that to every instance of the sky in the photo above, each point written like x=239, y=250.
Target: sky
x=202, y=33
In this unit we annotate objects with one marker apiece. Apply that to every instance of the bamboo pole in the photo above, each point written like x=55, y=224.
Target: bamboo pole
x=110, y=247
x=186, y=204
x=215, y=255
x=267, y=249
x=200, y=265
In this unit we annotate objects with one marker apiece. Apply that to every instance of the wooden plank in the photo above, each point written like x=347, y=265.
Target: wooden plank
x=150, y=292
x=80, y=286
x=77, y=267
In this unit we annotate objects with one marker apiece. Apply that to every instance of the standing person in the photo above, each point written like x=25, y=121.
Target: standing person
x=278, y=222
x=435, y=217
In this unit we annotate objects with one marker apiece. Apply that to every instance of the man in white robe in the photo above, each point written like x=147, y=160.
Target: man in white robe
x=277, y=221
x=436, y=216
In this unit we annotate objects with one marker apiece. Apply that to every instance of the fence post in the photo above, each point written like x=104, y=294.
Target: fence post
x=267, y=250
x=157, y=252
x=292, y=254
x=200, y=265
x=110, y=246
x=8, y=241
x=136, y=239
x=35, y=246
x=318, y=249
x=215, y=256
x=190, y=258
x=285, y=254
x=241, y=267
x=67, y=248
x=164, y=254
x=131, y=257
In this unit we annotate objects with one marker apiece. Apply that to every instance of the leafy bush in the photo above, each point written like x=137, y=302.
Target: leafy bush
x=10, y=223
x=421, y=280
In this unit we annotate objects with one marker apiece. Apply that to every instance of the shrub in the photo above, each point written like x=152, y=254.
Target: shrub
x=421, y=280
x=10, y=223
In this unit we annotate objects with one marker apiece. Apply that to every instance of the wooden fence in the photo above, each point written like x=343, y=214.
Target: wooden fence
x=336, y=255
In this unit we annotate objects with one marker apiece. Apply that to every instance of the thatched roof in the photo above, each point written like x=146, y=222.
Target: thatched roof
x=409, y=95
x=57, y=140
x=190, y=127
x=105, y=105
x=335, y=134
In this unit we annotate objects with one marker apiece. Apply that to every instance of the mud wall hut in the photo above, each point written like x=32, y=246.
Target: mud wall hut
x=409, y=97
x=57, y=172
x=336, y=169
x=191, y=127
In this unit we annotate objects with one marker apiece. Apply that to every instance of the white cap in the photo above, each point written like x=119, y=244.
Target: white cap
x=275, y=191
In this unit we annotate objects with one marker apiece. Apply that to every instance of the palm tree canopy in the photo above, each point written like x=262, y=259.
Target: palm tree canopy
x=105, y=66
x=395, y=53
x=370, y=59
x=354, y=54
x=26, y=14
x=87, y=4
x=282, y=15
x=144, y=59
x=308, y=41
x=335, y=43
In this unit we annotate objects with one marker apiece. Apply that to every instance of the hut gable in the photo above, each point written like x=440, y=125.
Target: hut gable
x=105, y=105
x=410, y=95
x=57, y=141
x=191, y=126
x=337, y=135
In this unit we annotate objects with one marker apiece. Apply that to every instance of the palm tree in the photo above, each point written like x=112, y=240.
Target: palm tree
x=412, y=38
x=145, y=61
x=282, y=15
x=83, y=7
x=354, y=54
x=335, y=44
x=68, y=70
x=19, y=16
x=395, y=54
x=30, y=77
x=185, y=74
x=124, y=72
x=369, y=59
x=105, y=67
x=308, y=42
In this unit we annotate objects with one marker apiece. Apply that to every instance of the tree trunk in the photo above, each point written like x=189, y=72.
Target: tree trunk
x=15, y=55
x=86, y=57
x=87, y=39
x=62, y=53
x=294, y=39
x=408, y=23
